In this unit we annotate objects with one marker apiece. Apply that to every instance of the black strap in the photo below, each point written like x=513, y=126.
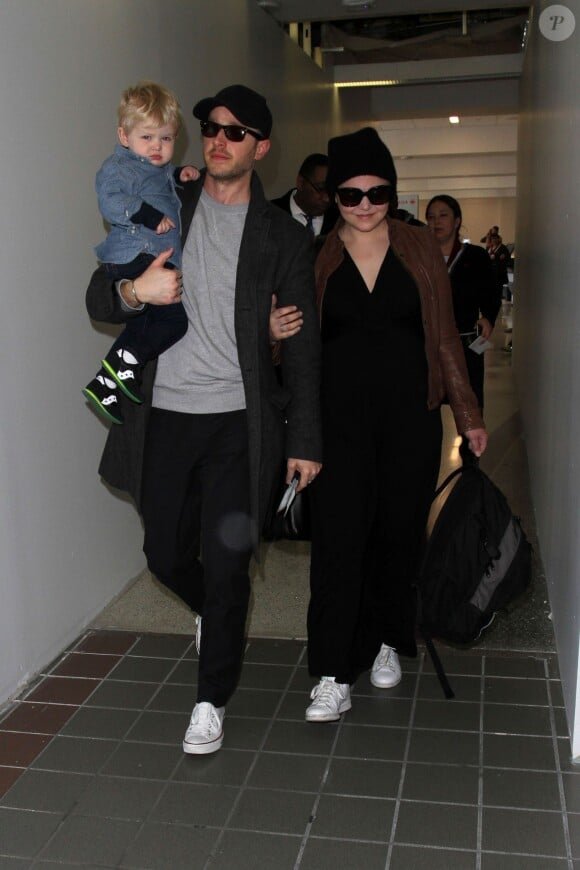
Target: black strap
x=441, y=675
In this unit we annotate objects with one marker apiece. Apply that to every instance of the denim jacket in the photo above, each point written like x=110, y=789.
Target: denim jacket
x=124, y=183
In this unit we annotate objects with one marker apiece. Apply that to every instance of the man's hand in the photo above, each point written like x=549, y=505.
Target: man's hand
x=164, y=225
x=284, y=322
x=156, y=286
x=305, y=468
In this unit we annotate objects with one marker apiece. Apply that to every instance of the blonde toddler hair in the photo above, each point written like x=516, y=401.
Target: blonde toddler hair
x=148, y=102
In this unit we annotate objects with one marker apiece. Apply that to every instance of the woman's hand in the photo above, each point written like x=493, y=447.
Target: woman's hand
x=156, y=286
x=477, y=440
x=284, y=322
x=485, y=327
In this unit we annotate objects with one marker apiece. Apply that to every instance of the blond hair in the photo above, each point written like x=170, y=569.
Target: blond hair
x=148, y=102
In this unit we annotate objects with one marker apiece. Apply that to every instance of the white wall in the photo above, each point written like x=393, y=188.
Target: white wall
x=547, y=323
x=67, y=546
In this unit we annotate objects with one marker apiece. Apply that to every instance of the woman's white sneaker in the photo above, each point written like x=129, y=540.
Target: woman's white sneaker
x=386, y=670
x=330, y=699
x=205, y=732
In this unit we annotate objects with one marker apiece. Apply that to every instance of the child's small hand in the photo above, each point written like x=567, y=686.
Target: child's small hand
x=165, y=225
x=189, y=173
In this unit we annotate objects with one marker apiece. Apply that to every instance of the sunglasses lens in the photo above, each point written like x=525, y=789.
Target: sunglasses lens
x=210, y=130
x=379, y=195
x=349, y=196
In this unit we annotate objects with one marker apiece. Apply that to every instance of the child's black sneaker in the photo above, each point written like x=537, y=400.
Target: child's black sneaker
x=126, y=370
x=102, y=393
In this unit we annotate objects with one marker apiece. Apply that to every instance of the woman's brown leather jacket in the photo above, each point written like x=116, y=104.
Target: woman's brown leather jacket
x=420, y=254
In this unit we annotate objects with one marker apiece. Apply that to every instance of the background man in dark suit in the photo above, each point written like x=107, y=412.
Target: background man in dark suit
x=309, y=202
x=202, y=456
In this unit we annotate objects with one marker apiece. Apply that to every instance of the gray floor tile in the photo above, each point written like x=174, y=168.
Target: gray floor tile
x=457, y=716
x=258, y=676
x=444, y=747
x=184, y=673
x=172, y=698
x=46, y=791
x=571, y=792
x=356, y=741
x=158, y=727
x=186, y=848
x=226, y=767
x=521, y=862
x=574, y=829
x=522, y=789
x=466, y=688
x=253, y=702
x=446, y=825
x=301, y=738
x=126, y=695
x=100, y=722
x=354, y=818
x=509, y=719
x=273, y=811
x=505, y=750
x=294, y=706
x=365, y=778
x=440, y=784
x=142, y=670
x=302, y=682
x=24, y=833
x=288, y=772
x=91, y=840
x=15, y=863
x=322, y=854
x=248, y=850
x=556, y=694
x=415, y=858
x=515, y=666
x=80, y=754
x=274, y=652
x=380, y=711
x=196, y=804
x=171, y=646
x=405, y=689
x=244, y=733
x=561, y=722
x=505, y=690
x=531, y=832
x=455, y=664
x=565, y=757
x=116, y=798
x=143, y=761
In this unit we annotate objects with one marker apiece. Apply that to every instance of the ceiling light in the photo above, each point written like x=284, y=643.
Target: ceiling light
x=367, y=84
x=454, y=119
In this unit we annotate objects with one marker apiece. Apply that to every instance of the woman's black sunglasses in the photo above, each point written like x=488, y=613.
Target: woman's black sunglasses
x=233, y=132
x=351, y=196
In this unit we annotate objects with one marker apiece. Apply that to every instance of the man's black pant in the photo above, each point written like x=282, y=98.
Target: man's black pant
x=196, y=487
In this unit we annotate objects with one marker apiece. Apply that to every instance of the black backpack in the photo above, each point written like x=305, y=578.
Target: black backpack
x=477, y=560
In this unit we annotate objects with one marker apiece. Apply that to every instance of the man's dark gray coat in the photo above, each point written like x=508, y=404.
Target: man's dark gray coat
x=283, y=421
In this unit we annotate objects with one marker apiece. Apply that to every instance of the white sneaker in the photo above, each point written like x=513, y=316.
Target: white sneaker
x=386, y=670
x=330, y=700
x=198, y=633
x=205, y=733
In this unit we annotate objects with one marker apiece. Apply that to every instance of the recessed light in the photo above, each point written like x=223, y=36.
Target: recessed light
x=454, y=119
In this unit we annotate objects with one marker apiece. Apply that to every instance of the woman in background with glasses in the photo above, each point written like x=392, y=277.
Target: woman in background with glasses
x=476, y=296
x=391, y=353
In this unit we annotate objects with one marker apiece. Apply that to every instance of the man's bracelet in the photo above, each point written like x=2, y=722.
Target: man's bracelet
x=134, y=294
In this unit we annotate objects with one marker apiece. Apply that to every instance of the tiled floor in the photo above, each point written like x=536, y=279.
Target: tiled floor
x=92, y=773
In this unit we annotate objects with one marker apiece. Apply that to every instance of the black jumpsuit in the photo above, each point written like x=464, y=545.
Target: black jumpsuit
x=382, y=449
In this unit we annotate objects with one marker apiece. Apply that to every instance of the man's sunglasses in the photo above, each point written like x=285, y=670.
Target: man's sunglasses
x=351, y=196
x=319, y=188
x=233, y=132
